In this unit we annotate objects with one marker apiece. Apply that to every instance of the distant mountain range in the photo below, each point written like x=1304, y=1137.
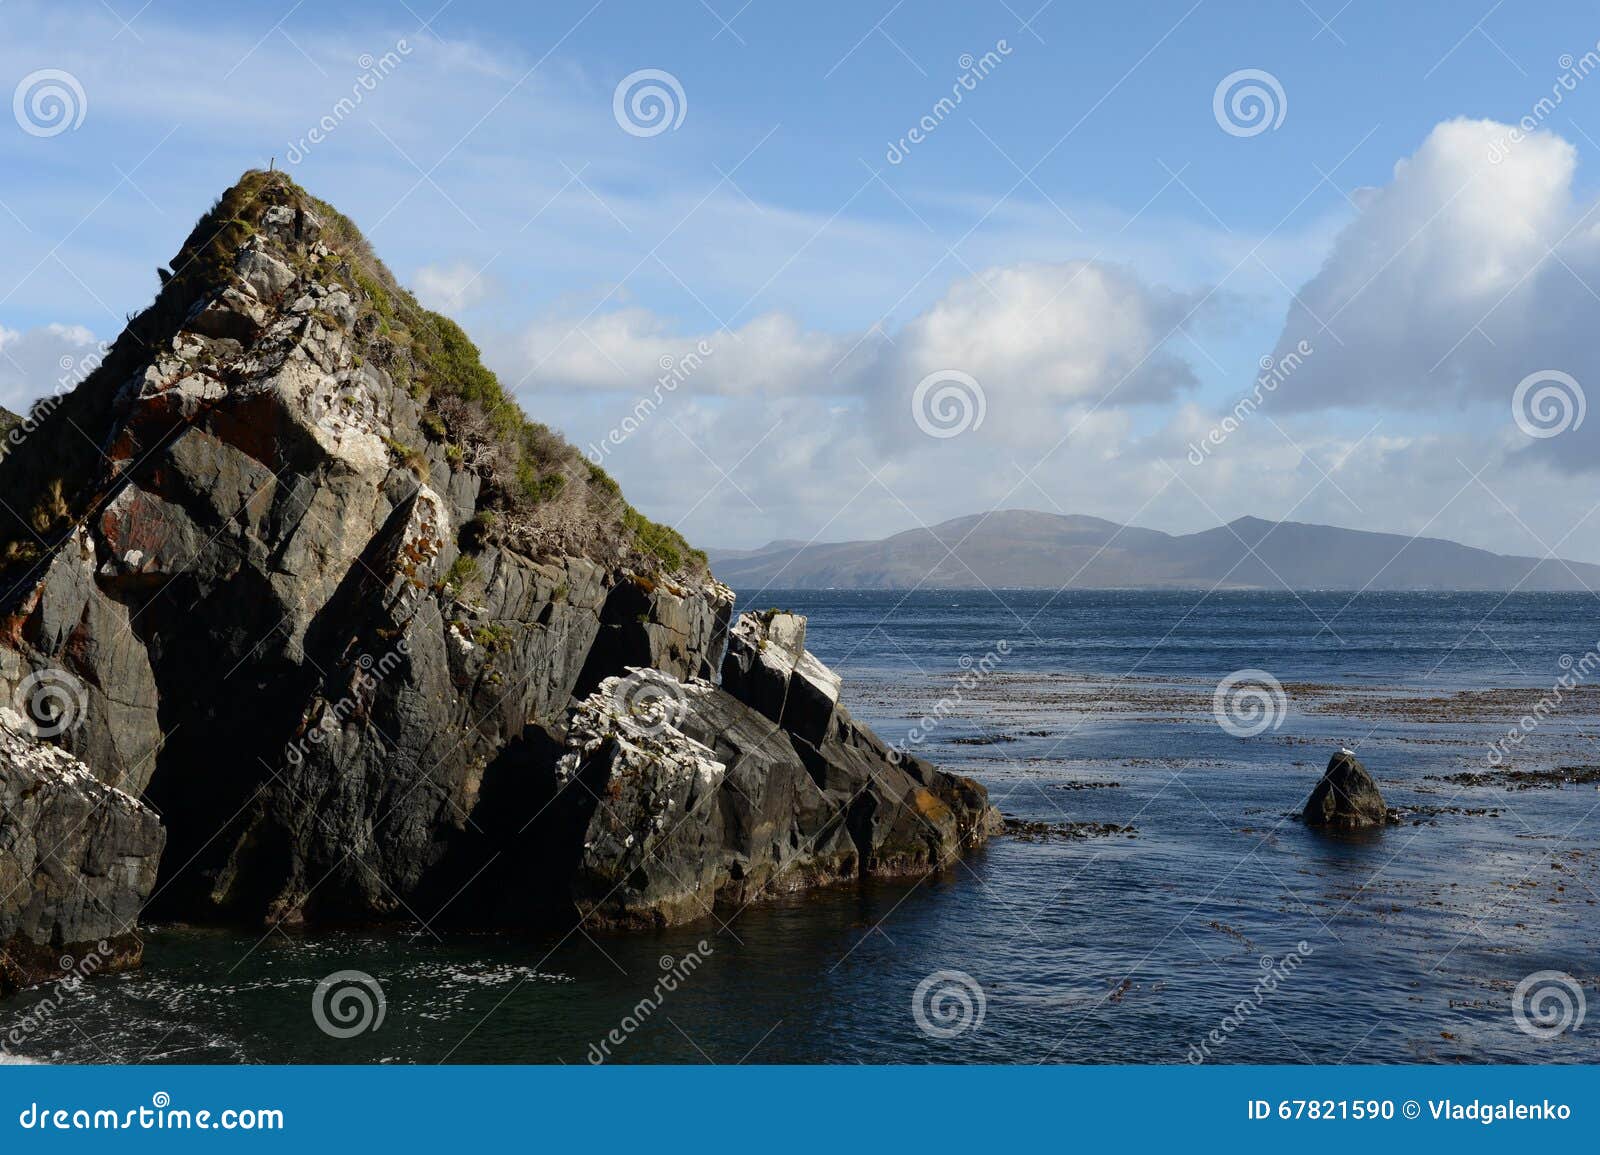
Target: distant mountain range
x=1025, y=549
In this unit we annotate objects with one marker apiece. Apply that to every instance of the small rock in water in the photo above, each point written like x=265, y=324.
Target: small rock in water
x=1346, y=798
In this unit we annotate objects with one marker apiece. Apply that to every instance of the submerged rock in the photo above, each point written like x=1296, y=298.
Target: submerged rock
x=1029, y=830
x=77, y=861
x=1346, y=798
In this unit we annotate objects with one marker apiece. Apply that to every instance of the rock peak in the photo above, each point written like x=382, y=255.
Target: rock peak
x=276, y=288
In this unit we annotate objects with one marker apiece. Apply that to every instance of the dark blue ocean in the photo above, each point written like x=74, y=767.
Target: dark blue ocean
x=1216, y=928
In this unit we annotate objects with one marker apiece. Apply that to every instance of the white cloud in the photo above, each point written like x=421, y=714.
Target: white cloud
x=1064, y=354
x=626, y=350
x=35, y=362
x=1056, y=332
x=1475, y=267
x=451, y=288
x=1046, y=342
x=814, y=428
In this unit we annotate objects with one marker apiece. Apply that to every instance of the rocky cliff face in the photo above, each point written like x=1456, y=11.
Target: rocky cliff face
x=693, y=796
x=77, y=860
x=363, y=634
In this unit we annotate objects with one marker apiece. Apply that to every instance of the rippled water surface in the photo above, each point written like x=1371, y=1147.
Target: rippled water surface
x=1408, y=943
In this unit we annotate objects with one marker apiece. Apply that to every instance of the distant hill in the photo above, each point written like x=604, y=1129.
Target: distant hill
x=1031, y=550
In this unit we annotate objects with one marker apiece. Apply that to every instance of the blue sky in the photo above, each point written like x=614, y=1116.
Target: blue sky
x=1081, y=236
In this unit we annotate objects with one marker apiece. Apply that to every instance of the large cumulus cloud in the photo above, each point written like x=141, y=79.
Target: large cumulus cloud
x=1475, y=267
x=1044, y=342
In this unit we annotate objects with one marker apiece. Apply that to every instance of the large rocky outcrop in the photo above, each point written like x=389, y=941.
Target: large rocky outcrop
x=689, y=798
x=77, y=861
x=328, y=601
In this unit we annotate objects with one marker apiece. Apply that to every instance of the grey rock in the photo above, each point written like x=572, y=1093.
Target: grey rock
x=265, y=274
x=687, y=800
x=768, y=667
x=813, y=698
x=230, y=315
x=79, y=649
x=77, y=861
x=1346, y=798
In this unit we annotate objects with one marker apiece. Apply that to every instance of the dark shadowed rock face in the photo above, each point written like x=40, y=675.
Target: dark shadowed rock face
x=329, y=601
x=77, y=861
x=1346, y=798
x=689, y=798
